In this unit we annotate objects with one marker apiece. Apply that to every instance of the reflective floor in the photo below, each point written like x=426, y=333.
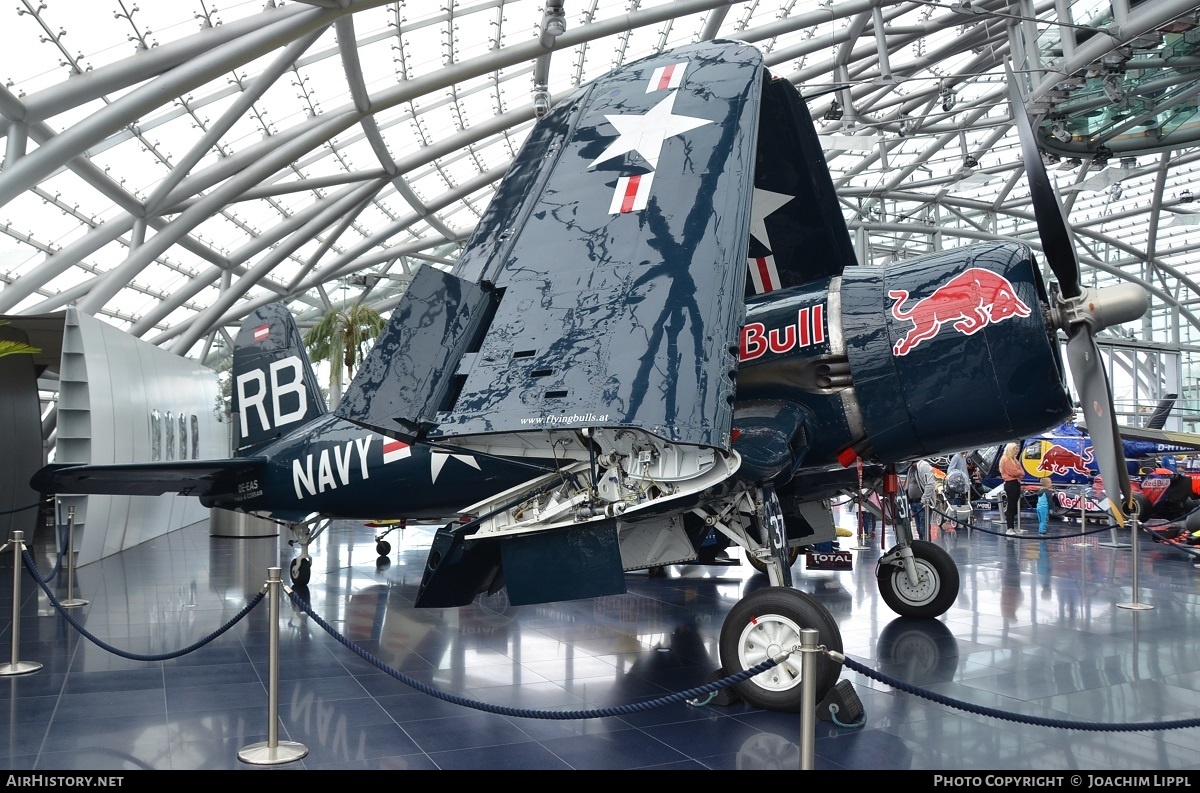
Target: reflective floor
x=1042, y=628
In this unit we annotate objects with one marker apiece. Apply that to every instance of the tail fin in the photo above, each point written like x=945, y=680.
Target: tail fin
x=1158, y=419
x=274, y=387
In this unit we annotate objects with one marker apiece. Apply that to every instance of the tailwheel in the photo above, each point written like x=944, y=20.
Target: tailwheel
x=935, y=588
x=383, y=548
x=301, y=570
x=762, y=625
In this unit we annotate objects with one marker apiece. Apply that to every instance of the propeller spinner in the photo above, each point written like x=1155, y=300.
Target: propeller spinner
x=1081, y=313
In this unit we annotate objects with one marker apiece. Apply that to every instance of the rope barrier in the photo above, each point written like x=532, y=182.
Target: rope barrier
x=33, y=571
x=527, y=713
x=20, y=509
x=1029, y=535
x=1038, y=721
x=701, y=695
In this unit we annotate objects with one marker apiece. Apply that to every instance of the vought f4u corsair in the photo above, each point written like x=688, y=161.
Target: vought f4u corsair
x=658, y=334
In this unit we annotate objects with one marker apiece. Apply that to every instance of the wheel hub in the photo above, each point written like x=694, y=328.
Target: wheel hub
x=925, y=588
x=765, y=637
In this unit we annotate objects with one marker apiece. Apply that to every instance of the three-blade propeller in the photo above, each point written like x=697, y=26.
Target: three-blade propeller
x=1081, y=313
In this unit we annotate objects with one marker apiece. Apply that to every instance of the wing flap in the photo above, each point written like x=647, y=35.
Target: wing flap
x=413, y=367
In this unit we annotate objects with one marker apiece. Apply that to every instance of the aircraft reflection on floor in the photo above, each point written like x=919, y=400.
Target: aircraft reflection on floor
x=1036, y=630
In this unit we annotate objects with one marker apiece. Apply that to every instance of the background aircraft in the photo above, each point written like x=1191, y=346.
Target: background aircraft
x=1066, y=454
x=659, y=330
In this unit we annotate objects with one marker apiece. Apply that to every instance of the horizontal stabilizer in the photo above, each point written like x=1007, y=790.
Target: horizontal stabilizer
x=189, y=477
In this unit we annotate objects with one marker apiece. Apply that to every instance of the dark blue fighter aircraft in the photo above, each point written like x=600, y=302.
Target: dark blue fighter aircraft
x=658, y=335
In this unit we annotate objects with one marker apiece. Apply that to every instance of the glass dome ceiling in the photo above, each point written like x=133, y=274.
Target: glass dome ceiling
x=170, y=167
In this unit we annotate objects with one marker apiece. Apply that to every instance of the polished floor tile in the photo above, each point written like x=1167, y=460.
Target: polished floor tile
x=1057, y=630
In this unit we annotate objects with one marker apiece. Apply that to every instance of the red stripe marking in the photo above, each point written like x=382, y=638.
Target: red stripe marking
x=764, y=274
x=631, y=189
x=665, y=80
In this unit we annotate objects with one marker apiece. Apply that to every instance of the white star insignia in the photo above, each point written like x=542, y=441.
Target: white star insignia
x=438, y=459
x=763, y=205
x=645, y=133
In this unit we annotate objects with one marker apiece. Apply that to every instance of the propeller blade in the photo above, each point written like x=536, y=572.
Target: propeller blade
x=1091, y=383
x=1052, y=225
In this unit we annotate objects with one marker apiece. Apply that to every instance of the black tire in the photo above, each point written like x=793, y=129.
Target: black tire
x=761, y=566
x=383, y=548
x=1144, y=507
x=759, y=626
x=1192, y=522
x=936, y=590
x=301, y=570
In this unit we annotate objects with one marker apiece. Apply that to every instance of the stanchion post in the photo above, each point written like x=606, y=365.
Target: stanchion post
x=1133, y=535
x=272, y=752
x=808, y=698
x=71, y=601
x=1082, y=522
x=16, y=666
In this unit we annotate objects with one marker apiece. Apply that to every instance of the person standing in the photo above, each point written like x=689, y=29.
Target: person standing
x=1043, y=503
x=1011, y=472
x=958, y=480
x=928, y=494
x=914, y=490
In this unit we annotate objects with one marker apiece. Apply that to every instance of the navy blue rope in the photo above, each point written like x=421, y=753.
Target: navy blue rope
x=33, y=571
x=596, y=713
x=61, y=551
x=972, y=527
x=1039, y=721
x=20, y=509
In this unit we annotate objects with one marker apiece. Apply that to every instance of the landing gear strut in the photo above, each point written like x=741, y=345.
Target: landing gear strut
x=303, y=533
x=382, y=546
x=918, y=580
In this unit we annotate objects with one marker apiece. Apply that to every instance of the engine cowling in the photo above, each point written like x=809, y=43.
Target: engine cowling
x=953, y=351
x=946, y=352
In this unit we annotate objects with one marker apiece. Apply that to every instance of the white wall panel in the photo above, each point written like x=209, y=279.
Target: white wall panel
x=123, y=380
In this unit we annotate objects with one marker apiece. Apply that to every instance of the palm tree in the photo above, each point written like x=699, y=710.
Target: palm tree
x=342, y=338
x=15, y=347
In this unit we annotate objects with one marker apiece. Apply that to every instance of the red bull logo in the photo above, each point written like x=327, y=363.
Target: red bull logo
x=1061, y=460
x=968, y=302
x=1077, y=501
x=1155, y=487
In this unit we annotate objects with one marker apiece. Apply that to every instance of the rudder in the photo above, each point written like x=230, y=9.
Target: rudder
x=274, y=386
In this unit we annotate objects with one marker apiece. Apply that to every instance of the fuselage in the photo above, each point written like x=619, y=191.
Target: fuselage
x=330, y=466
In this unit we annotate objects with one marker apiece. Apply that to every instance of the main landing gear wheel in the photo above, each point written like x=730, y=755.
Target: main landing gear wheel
x=761, y=566
x=765, y=623
x=936, y=588
x=301, y=570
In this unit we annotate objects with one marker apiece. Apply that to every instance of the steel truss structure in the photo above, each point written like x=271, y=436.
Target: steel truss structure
x=169, y=169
